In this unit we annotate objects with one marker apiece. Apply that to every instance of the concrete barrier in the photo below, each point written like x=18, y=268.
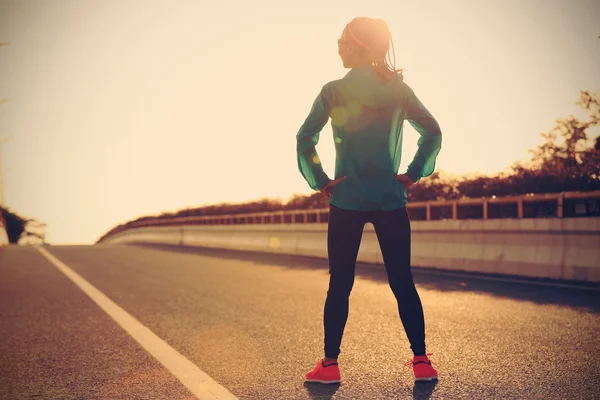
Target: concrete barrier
x=567, y=249
x=164, y=235
x=3, y=234
x=557, y=248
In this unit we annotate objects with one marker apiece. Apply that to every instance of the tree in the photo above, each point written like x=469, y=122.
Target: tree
x=19, y=228
x=435, y=187
x=569, y=155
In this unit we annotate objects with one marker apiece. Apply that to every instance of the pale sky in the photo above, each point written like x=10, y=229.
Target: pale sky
x=123, y=108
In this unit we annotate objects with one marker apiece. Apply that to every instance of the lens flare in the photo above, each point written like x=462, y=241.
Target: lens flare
x=274, y=243
x=339, y=116
x=354, y=108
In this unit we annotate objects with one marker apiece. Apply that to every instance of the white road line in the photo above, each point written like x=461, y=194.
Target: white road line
x=196, y=380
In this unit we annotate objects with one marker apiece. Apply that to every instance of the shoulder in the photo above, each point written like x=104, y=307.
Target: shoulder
x=407, y=94
x=330, y=91
x=332, y=86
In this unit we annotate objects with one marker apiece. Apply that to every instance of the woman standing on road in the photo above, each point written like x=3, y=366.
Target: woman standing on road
x=367, y=108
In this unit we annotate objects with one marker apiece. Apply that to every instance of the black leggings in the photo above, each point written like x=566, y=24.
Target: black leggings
x=345, y=230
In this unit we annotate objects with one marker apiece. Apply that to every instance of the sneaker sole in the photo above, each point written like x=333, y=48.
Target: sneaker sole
x=320, y=381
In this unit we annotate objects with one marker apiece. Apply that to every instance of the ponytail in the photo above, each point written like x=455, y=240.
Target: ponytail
x=375, y=37
x=386, y=63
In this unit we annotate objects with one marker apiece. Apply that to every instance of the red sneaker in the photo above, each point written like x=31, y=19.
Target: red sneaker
x=422, y=368
x=324, y=374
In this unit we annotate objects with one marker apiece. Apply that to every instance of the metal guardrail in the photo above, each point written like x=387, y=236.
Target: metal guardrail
x=559, y=205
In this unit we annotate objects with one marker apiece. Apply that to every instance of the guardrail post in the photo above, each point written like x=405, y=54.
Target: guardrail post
x=559, y=205
x=428, y=212
x=454, y=209
x=520, y=208
x=485, y=208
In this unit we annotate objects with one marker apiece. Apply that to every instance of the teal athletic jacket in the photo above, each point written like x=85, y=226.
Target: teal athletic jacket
x=367, y=117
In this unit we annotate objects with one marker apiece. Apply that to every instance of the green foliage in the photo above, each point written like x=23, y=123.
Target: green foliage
x=14, y=224
x=19, y=228
x=569, y=153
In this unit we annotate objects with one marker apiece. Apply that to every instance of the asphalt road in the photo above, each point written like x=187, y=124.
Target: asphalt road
x=254, y=324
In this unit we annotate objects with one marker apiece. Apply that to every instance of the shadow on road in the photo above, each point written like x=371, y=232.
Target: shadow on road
x=317, y=391
x=423, y=390
x=519, y=288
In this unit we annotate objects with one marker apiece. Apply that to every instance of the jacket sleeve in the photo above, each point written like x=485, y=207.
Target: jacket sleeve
x=430, y=142
x=307, y=138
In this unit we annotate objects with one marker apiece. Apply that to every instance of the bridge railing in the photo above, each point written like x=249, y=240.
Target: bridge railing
x=534, y=236
x=559, y=205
